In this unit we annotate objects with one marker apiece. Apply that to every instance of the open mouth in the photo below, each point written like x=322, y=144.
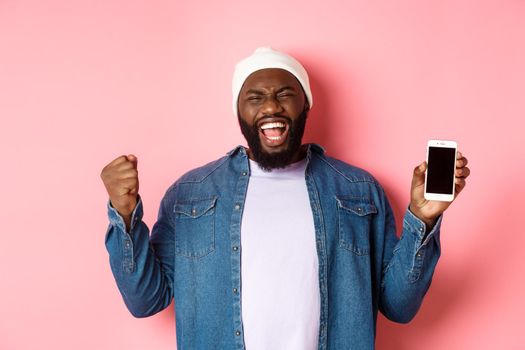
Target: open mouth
x=274, y=133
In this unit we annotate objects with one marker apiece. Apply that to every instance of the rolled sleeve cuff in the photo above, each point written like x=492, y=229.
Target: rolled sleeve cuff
x=117, y=220
x=419, y=227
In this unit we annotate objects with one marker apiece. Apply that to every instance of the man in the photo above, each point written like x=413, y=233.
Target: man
x=276, y=246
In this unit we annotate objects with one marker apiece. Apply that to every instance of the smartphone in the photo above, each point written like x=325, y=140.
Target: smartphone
x=439, y=177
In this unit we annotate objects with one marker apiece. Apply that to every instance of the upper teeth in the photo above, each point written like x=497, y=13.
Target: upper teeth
x=272, y=125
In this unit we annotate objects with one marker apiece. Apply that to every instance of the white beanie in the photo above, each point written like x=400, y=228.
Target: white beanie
x=266, y=57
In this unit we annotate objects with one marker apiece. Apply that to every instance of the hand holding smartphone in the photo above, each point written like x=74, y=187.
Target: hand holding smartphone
x=441, y=165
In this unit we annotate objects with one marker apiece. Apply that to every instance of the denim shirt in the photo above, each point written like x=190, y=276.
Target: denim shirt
x=193, y=254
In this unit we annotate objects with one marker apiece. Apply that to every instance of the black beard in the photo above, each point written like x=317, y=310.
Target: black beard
x=268, y=161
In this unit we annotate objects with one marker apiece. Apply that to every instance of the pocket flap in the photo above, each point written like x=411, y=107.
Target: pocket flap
x=195, y=208
x=358, y=206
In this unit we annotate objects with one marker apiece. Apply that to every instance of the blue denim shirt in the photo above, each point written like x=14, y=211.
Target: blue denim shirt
x=193, y=254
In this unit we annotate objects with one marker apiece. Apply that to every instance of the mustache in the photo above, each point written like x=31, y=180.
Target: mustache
x=281, y=159
x=261, y=120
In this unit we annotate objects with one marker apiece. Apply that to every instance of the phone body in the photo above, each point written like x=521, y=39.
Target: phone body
x=441, y=167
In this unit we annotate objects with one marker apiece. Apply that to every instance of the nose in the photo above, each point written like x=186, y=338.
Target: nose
x=271, y=106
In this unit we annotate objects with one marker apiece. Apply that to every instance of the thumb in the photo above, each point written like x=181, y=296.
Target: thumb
x=418, y=178
x=132, y=158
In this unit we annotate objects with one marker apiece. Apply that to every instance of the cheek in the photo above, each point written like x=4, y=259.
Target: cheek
x=244, y=117
x=248, y=113
x=294, y=112
x=295, y=106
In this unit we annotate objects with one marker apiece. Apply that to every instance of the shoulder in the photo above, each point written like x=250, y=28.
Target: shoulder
x=199, y=174
x=343, y=170
x=195, y=176
x=346, y=181
x=206, y=171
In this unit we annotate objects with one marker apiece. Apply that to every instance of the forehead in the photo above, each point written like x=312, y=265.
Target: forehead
x=271, y=78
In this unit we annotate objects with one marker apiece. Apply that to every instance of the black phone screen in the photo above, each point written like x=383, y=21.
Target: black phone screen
x=441, y=166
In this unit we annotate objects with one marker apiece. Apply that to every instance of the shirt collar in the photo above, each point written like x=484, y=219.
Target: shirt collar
x=311, y=147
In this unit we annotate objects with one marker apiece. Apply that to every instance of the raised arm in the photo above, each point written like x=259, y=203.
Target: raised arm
x=409, y=263
x=142, y=267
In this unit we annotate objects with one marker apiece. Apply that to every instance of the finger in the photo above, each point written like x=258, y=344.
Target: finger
x=133, y=159
x=127, y=186
x=122, y=191
x=462, y=172
x=128, y=174
x=460, y=184
x=126, y=192
x=124, y=166
x=118, y=160
x=418, y=177
x=461, y=162
x=420, y=169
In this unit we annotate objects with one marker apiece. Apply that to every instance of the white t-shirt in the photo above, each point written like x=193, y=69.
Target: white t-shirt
x=280, y=297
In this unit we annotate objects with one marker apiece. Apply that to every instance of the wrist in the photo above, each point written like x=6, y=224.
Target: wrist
x=428, y=221
x=125, y=214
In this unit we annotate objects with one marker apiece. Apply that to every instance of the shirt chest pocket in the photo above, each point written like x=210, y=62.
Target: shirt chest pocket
x=195, y=227
x=354, y=220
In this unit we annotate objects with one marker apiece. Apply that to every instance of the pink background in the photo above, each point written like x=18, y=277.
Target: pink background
x=82, y=82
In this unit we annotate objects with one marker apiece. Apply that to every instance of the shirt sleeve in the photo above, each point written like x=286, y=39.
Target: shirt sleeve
x=142, y=266
x=408, y=264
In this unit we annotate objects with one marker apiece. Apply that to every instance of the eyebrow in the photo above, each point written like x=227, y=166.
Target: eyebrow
x=260, y=92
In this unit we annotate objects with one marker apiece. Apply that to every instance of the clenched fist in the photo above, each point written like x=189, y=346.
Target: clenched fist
x=122, y=183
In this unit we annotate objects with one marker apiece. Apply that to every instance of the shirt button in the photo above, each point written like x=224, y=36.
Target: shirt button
x=237, y=333
x=193, y=212
x=235, y=290
x=421, y=229
x=237, y=207
x=418, y=255
x=127, y=244
x=235, y=248
x=244, y=173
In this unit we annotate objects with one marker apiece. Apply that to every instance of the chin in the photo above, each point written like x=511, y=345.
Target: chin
x=275, y=150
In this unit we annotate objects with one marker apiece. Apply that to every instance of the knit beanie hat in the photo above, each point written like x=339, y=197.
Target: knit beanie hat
x=266, y=57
